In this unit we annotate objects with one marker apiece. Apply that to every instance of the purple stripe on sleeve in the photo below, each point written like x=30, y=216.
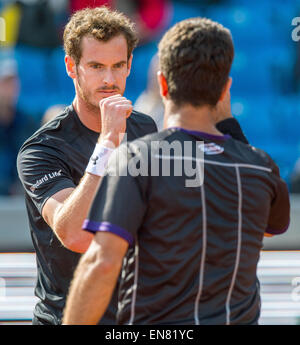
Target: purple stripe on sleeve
x=93, y=227
x=278, y=232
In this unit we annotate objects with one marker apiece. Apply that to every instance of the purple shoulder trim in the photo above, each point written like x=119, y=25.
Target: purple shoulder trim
x=93, y=227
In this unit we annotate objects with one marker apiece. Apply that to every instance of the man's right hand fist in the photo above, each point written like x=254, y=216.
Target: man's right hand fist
x=114, y=112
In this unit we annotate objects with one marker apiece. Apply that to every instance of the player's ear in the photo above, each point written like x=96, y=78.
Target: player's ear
x=163, y=85
x=70, y=67
x=129, y=63
x=226, y=89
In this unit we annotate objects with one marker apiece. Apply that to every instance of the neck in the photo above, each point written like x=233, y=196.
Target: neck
x=88, y=115
x=200, y=119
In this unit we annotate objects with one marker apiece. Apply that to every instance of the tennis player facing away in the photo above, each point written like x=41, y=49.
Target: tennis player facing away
x=191, y=252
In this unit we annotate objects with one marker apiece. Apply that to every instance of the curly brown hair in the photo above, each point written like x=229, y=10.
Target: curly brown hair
x=102, y=24
x=195, y=57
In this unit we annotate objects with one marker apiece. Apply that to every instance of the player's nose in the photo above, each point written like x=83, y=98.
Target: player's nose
x=109, y=78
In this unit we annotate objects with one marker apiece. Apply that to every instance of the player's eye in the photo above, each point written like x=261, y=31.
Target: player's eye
x=119, y=65
x=96, y=66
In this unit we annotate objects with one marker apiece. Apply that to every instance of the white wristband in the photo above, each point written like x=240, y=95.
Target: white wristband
x=98, y=160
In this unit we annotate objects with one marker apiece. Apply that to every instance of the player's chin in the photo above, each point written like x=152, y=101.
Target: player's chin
x=93, y=103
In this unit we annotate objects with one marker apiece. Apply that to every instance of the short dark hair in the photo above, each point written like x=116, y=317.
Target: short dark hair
x=195, y=56
x=100, y=23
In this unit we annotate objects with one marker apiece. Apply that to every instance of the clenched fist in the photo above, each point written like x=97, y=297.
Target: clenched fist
x=114, y=112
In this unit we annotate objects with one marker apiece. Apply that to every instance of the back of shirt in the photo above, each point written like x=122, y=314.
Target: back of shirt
x=194, y=240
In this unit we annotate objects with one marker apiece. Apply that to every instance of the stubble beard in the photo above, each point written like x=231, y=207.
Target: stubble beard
x=86, y=97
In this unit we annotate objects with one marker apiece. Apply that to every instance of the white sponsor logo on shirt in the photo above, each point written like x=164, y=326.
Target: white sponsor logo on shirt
x=44, y=179
x=211, y=149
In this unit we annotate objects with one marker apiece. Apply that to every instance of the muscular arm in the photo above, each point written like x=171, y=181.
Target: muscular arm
x=66, y=210
x=94, y=280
